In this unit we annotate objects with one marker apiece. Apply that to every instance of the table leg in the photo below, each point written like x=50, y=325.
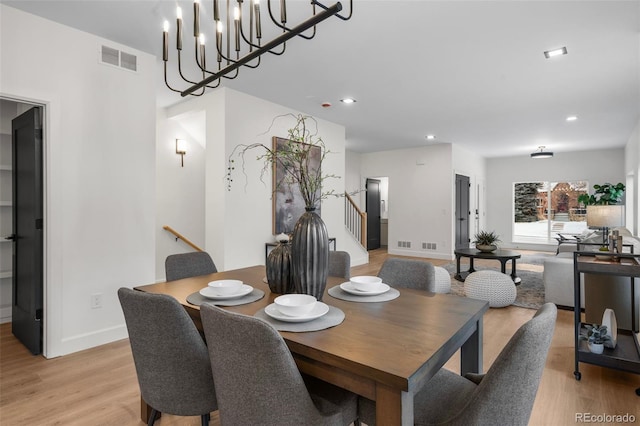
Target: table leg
x=471, y=269
x=145, y=411
x=457, y=275
x=471, y=352
x=514, y=276
x=393, y=407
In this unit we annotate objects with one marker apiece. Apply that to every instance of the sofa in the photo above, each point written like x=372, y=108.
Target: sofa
x=601, y=291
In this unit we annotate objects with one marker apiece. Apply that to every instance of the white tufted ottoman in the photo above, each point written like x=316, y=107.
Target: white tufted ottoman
x=443, y=280
x=493, y=286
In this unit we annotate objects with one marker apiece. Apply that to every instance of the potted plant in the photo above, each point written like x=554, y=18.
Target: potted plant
x=485, y=241
x=596, y=337
x=604, y=194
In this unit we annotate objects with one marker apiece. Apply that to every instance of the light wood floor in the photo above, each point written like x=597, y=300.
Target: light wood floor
x=99, y=387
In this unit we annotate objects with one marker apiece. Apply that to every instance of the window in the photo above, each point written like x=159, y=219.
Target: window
x=544, y=209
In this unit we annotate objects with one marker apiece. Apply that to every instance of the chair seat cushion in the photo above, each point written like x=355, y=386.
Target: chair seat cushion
x=339, y=404
x=444, y=396
x=493, y=286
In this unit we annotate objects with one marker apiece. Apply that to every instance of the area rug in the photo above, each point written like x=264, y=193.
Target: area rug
x=530, y=292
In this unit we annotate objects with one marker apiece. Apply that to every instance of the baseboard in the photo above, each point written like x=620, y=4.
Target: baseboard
x=5, y=314
x=428, y=254
x=84, y=341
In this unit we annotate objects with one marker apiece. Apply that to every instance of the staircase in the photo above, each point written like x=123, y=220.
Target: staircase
x=355, y=220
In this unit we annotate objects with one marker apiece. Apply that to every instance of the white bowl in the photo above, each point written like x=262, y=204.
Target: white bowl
x=225, y=287
x=366, y=283
x=295, y=305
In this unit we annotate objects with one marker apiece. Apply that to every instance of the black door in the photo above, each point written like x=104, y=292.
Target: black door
x=26, y=145
x=462, y=212
x=373, y=214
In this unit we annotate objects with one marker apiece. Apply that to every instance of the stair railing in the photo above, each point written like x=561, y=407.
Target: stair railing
x=179, y=236
x=355, y=220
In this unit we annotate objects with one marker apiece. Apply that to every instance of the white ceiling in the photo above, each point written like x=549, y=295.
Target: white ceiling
x=471, y=72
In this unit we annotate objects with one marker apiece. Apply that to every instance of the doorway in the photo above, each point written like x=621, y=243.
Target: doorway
x=462, y=212
x=373, y=213
x=21, y=211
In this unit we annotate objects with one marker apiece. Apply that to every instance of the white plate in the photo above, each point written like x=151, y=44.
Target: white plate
x=319, y=310
x=349, y=288
x=210, y=293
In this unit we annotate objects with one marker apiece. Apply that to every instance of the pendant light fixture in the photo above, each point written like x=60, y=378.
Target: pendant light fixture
x=542, y=153
x=238, y=40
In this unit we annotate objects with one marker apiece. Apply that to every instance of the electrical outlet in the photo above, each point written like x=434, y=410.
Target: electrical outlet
x=96, y=300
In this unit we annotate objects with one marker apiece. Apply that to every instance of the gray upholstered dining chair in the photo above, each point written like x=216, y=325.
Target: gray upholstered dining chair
x=339, y=264
x=171, y=359
x=186, y=265
x=503, y=396
x=257, y=380
x=408, y=273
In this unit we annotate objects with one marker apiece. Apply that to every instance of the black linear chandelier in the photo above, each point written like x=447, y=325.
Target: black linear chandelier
x=245, y=39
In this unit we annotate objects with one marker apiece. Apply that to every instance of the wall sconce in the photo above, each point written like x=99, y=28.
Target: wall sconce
x=181, y=149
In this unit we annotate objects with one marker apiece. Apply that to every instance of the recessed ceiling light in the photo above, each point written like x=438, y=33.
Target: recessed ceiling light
x=556, y=52
x=572, y=118
x=430, y=137
x=347, y=100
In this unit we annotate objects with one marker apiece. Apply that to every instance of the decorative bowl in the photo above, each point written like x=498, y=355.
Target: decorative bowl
x=295, y=305
x=366, y=283
x=225, y=287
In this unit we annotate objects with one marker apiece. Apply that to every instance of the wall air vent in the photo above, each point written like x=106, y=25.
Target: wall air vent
x=115, y=57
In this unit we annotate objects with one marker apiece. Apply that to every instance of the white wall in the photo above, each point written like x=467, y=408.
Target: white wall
x=353, y=182
x=421, y=188
x=180, y=190
x=238, y=222
x=99, y=172
x=596, y=167
x=632, y=171
x=471, y=165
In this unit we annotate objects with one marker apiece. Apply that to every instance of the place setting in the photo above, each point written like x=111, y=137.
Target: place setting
x=300, y=312
x=226, y=293
x=364, y=288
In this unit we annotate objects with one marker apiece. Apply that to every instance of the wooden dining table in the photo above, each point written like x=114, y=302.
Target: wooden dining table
x=384, y=351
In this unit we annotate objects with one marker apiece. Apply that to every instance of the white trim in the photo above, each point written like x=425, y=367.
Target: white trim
x=5, y=314
x=46, y=238
x=89, y=340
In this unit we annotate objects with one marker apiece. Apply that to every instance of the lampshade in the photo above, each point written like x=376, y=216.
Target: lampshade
x=542, y=153
x=607, y=216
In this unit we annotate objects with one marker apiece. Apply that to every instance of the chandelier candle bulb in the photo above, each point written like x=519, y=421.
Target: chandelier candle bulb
x=258, y=25
x=196, y=18
x=283, y=11
x=165, y=41
x=236, y=26
x=179, y=28
x=202, y=53
x=216, y=11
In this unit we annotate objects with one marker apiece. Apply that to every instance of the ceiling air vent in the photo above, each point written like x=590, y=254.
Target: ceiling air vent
x=111, y=56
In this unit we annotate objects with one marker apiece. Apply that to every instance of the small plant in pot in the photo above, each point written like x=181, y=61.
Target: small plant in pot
x=596, y=337
x=485, y=241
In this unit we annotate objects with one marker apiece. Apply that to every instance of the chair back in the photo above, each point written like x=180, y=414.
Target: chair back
x=340, y=264
x=256, y=378
x=507, y=392
x=171, y=359
x=408, y=273
x=186, y=265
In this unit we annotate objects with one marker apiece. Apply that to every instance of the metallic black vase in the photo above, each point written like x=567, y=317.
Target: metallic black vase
x=279, y=269
x=310, y=254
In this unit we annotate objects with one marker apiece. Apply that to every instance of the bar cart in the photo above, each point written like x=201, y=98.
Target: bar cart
x=626, y=355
